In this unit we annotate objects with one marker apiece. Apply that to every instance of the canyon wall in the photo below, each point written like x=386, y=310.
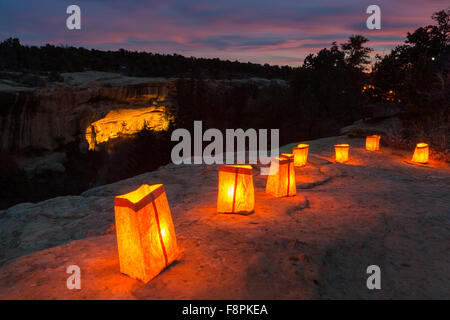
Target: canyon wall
x=90, y=108
x=86, y=107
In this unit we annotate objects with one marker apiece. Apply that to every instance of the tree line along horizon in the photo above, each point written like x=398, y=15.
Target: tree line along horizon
x=326, y=93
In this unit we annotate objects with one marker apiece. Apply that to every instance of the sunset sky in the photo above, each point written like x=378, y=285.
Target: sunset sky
x=261, y=31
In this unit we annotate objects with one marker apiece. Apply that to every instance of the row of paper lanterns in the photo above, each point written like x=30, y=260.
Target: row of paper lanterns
x=145, y=233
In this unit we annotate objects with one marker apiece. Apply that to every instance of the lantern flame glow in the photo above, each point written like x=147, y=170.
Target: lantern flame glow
x=146, y=238
x=373, y=143
x=300, y=154
x=230, y=192
x=281, y=182
x=341, y=151
x=421, y=153
x=236, y=192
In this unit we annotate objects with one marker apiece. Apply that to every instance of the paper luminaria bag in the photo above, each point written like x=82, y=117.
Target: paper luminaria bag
x=421, y=153
x=341, y=151
x=281, y=178
x=145, y=233
x=373, y=143
x=300, y=154
x=236, y=192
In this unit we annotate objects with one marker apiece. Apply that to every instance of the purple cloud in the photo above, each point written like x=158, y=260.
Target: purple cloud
x=262, y=31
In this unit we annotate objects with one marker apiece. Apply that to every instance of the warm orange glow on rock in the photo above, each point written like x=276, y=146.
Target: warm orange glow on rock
x=373, y=143
x=300, y=155
x=281, y=178
x=236, y=192
x=126, y=122
x=341, y=152
x=421, y=153
x=145, y=233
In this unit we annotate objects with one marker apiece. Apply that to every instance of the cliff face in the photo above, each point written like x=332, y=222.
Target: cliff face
x=90, y=107
x=87, y=107
x=128, y=122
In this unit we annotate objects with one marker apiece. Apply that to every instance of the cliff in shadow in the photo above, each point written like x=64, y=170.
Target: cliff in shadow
x=59, y=113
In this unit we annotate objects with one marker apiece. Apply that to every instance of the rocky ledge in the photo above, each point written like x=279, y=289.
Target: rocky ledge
x=375, y=209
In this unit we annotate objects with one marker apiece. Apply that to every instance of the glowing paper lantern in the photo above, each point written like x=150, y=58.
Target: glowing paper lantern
x=281, y=178
x=300, y=154
x=373, y=143
x=145, y=234
x=236, y=192
x=341, y=152
x=421, y=153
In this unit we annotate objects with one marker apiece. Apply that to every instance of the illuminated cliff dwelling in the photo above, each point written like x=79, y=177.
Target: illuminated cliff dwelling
x=127, y=122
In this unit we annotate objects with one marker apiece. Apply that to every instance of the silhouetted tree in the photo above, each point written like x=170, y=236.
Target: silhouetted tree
x=418, y=73
x=356, y=54
x=15, y=57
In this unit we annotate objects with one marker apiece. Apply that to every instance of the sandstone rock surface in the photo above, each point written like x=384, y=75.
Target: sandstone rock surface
x=375, y=209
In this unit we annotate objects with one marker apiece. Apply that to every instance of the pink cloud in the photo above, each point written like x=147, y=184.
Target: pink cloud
x=269, y=31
